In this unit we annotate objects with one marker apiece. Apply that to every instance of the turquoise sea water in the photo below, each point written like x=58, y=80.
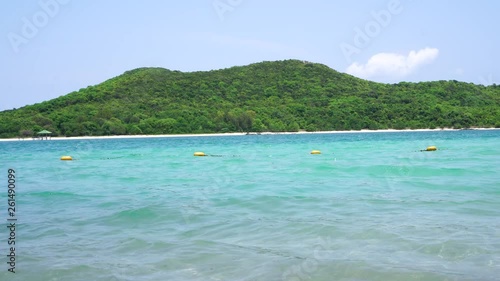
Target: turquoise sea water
x=370, y=207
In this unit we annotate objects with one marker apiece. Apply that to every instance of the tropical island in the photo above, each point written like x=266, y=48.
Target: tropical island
x=279, y=96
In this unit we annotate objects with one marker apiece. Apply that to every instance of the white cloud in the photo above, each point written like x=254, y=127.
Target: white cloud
x=391, y=65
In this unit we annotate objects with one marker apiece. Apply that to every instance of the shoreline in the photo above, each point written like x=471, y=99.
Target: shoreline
x=245, y=134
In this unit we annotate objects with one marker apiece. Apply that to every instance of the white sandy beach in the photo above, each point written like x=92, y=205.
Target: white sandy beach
x=238, y=134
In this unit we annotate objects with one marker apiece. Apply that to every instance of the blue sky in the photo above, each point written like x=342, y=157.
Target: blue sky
x=49, y=48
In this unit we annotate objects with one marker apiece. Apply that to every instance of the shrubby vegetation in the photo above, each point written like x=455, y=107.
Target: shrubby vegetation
x=269, y=96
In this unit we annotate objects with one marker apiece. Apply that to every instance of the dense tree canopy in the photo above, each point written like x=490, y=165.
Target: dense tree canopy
x=270, y=96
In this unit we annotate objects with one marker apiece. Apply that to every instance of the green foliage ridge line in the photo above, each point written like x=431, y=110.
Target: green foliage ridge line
x=278, y=96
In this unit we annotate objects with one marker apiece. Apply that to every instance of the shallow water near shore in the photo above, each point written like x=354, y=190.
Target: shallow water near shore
x=260, y=207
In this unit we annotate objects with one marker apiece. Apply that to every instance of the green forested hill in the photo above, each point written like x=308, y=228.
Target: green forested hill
x=269, y=96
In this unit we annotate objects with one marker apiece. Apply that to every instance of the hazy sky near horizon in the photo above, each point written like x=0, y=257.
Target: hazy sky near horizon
x=50, y=48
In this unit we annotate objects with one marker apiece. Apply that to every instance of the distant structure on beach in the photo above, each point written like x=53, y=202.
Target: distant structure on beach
x=44, y=134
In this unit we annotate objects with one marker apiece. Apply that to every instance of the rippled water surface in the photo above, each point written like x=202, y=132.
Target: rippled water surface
x=370, y=207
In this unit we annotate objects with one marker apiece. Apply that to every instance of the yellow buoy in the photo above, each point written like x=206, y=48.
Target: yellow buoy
x=431, y=148
x=199, y=154
x=315, y=152
x=66, y=158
